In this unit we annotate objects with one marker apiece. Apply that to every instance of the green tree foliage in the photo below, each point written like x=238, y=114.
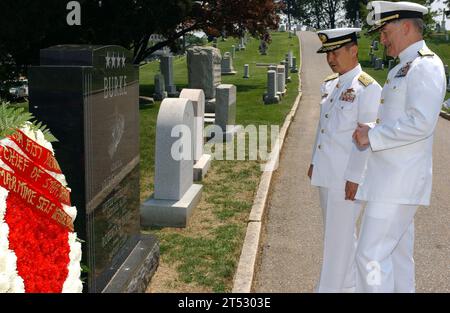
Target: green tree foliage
x=317, y=13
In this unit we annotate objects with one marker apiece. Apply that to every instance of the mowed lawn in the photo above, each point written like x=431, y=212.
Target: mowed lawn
x=203, y=256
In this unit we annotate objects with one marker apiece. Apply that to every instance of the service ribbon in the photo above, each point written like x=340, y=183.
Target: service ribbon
x=33, y=198
x=34, y=175
x=36, y=152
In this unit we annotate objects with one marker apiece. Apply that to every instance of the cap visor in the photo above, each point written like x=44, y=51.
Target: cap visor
x=375, y=28
x=328, y=49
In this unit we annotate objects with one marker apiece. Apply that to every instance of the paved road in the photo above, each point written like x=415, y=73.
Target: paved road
x=291, y=250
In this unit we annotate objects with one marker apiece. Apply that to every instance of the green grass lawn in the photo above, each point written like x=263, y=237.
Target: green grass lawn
x=436, y=43
x=203, y=257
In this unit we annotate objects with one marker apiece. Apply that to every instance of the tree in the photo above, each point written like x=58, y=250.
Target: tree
x=27, y=26
x=353, y=6
x=317, y=13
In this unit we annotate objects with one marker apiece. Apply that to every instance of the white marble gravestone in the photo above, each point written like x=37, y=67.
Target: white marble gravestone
x=227, y=65
x=233, y=51
x=201, y=161
x=271, y=95
x=226, y=111
x=175, y=195
x=281, y=80
x=246, y=71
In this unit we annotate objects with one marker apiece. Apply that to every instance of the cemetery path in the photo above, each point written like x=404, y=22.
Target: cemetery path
x=291, y=243
x=290, y=253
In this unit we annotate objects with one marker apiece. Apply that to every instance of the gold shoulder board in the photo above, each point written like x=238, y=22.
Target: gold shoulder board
x=331, y=77
x=365, y=79
x=426, y=53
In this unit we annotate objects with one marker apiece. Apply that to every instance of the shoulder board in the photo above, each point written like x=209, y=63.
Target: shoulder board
x=365, y=79
x=331, y=77
x=426, y=53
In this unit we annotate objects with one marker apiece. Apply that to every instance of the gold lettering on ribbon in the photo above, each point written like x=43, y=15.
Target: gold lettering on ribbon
x=28, y=195
x=36, y=173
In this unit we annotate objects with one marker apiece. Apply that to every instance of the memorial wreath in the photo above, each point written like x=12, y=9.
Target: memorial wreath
x=39, y=251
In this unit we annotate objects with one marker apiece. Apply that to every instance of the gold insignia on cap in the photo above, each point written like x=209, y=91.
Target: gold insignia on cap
x=365, y=79
x=323, y=37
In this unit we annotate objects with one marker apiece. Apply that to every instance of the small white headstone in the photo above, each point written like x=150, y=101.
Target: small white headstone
x=175, y=194
x=201, y=160
x=246, y=71
x=227, y=65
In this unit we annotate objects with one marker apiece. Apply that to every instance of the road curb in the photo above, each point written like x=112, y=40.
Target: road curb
x=243, y=279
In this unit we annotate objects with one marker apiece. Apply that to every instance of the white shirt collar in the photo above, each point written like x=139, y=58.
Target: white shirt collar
x=411, y=52
x=350, y=74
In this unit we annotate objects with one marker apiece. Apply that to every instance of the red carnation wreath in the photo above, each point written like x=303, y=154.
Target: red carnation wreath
x=39, y=252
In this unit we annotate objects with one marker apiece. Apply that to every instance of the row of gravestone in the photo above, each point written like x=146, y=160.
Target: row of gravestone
x=278, y=77
x=181, y=161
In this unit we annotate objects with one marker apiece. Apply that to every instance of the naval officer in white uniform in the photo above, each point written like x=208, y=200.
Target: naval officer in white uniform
x=349, y=97
x=399, y=169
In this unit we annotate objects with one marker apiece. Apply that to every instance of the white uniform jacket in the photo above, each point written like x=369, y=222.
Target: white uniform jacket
x=399, y=169
x=346, y=100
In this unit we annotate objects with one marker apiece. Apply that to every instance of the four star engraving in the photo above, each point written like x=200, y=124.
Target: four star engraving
x=115, y=60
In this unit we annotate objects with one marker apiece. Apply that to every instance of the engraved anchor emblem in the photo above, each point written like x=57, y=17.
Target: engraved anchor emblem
x=117, y=129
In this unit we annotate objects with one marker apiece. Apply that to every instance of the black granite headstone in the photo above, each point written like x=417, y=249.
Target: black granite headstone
x=89, y=98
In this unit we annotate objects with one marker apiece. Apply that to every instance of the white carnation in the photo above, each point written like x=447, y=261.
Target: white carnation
x=40, y=139
x=4, y=231
x=4, y=282
x=71, y=211
x=17, y=285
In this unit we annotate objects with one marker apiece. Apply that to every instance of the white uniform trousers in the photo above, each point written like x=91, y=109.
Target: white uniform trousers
x=384, y=255
x=339, y=218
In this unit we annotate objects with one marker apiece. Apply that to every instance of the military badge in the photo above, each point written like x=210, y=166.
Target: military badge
x=348, y=96
x=403, y=71
x=323, y=37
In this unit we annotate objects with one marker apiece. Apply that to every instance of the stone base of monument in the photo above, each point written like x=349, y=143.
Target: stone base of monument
x=201, y=167
x=136, y=272
x=270, y=100
x=227, y=136
x=160, y=97
x=170, y=213
x=172, y=92
x=229, y=73
x=210, y=105
x=282, y=94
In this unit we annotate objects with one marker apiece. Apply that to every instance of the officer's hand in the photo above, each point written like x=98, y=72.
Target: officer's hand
x=310, y=171
x=350, y=190
x=361, y=135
